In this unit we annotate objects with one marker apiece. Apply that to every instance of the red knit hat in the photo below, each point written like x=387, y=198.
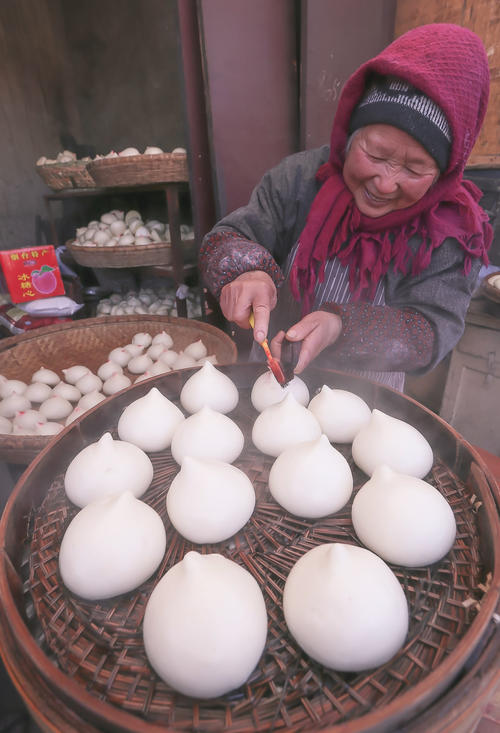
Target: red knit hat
x=391, y=101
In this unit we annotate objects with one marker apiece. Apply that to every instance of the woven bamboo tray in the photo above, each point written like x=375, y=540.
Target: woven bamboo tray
x=81, y=666
x=491, y=292
x=144, y=255
x=60, y=176
x=133, y=170
x=88, y=342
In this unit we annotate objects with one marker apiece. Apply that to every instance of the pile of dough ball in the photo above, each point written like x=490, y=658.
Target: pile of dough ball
x=66, y=156
x=150, y=150
x=397, y=516
x=158, y=302
x=124, y=229
x=49, y=402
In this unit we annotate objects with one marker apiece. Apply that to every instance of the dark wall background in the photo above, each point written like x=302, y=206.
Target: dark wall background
x=90, y=76
x=125, y=72
x=273, y=73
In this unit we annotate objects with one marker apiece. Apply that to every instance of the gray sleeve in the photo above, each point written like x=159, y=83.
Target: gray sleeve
x=441, y=293
x=276, y=213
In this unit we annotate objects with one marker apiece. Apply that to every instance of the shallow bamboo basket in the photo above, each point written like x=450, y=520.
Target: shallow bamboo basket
x=60, y=176
x=144, y=255
x=88, y=342
x=491, y=291
x=81, y=666
x=133, y=170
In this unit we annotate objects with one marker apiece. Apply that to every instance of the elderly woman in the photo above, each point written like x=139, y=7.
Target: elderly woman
x=367, y=251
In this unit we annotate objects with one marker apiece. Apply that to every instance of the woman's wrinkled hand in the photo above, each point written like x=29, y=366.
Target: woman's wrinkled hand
x=252, y=291
x=317, y=330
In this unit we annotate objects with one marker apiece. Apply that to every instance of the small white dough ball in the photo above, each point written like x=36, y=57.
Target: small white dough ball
x=89, y=400
x=38, y=392
x=183, y=361
x=29, y=419
x=89, y=383
x=134, y=349
x=205, y=626
x=74, y=373
x=209, y=501
x=155, y=350
x=108, y=369
x=340, y=413
x=169, y=357
x=150, y=421
x=159, y=367
x=311, y=479
x=403, y=519
x=283, y=425
x=209, y=387
x=163, y=338
x=197, y=350
x=56, y=408
x=207, y=434
x=345, y=607
x=12, y=404
x=142, y=339
x=111, y=546
x=46, y=376
x=120, y=355
x=107, y=467
x=139, y=364
x=9, y=387
x=115, y=383
x=395, y=443
x=68, y=391
x=267, y=391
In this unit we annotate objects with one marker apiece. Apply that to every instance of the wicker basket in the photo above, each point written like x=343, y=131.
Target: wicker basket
x=89, y=341
x=81, y=666
x=490, y=291
x=60, y=176
x=144, y=255
x=133, y=170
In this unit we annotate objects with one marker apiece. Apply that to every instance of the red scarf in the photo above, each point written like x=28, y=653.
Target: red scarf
x=449, y=64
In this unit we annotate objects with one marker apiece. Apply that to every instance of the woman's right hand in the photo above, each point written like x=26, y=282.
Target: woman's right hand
x=252, y=291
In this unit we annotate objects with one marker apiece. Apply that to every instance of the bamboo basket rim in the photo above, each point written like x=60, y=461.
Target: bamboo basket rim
x=66, y=176
x=139, y=166
x=78, y=163
x=118, y=256
x=491, y=292
x=397, y=711
x=36, y=333
x=135, y=159
x=123, y=248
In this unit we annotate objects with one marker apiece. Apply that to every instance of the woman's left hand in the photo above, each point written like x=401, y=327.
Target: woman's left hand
x=317, y=330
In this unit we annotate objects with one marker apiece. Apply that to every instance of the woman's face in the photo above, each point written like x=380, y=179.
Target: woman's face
x=386, y=169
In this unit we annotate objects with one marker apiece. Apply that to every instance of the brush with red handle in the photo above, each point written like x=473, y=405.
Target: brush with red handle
x=273, y=363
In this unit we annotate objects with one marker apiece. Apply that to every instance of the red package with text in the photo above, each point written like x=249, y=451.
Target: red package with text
x=31, y=273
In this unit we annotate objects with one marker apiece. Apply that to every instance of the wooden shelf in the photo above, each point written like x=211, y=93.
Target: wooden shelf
x=177, y=270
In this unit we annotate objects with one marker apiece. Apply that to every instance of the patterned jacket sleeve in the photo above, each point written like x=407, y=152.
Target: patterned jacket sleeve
x=380, y=338
x=225, y=254
x=422, y=321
